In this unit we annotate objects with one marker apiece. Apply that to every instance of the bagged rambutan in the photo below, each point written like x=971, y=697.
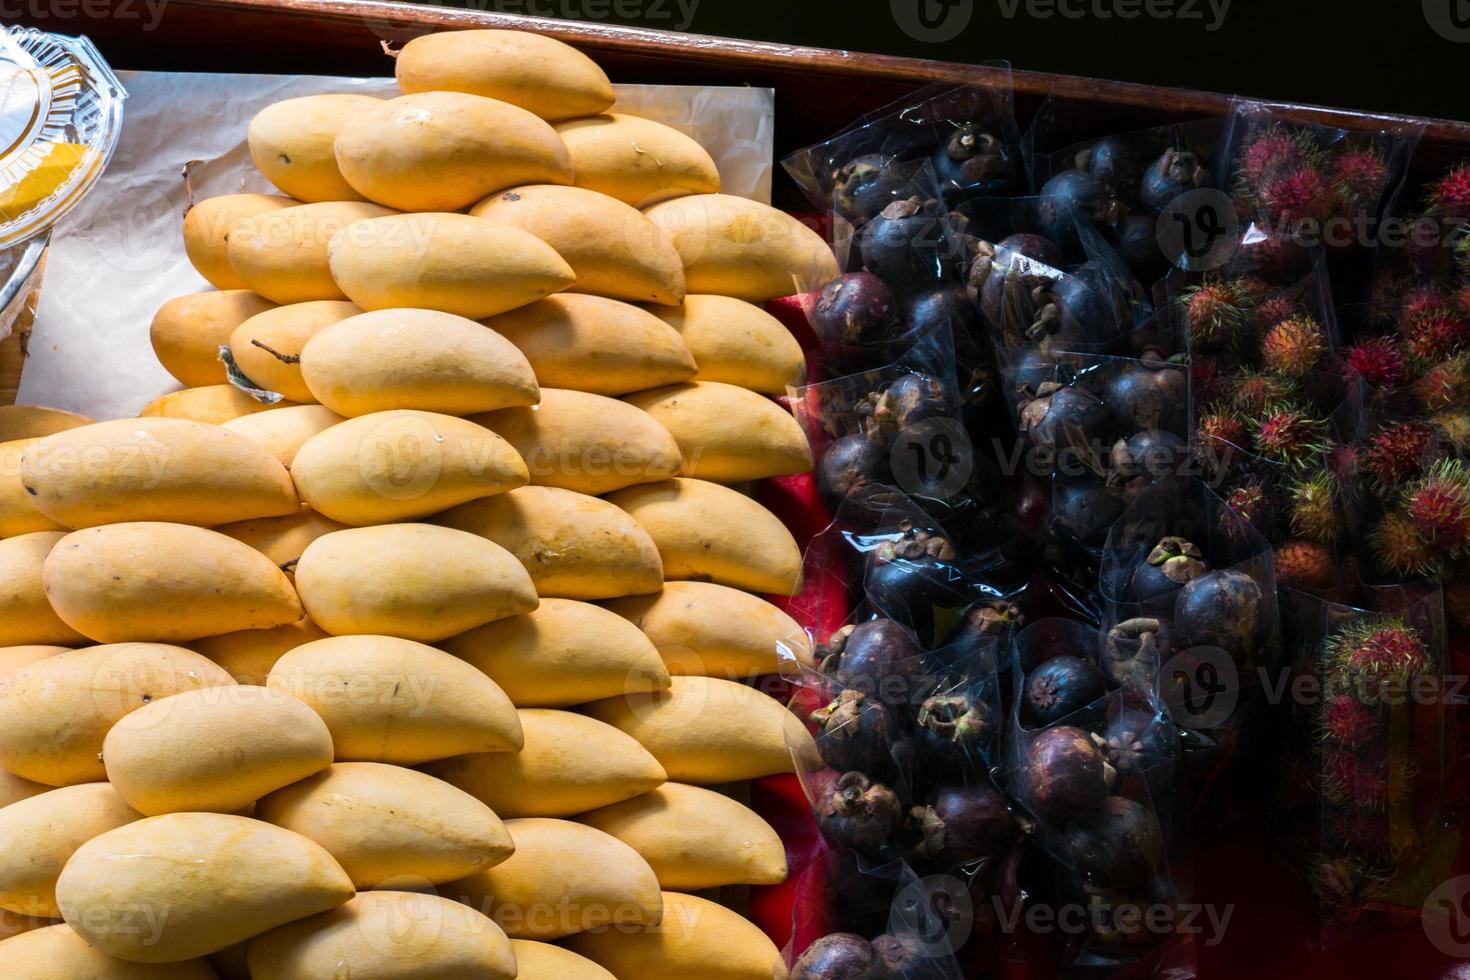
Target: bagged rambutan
x=1423, y=301
x=1446, y=384
x=1271, y=151
x=1294, y=347
x=1313, y=508
x=1273, y=310
x=1367, y=657
x=1352, y=781
x=1400, y=548
x=1221, y=423
x=1432, y=338
x=1307, y=565
x=1290, y=435
x=1349, y=723
x=1216, y=310
x=1252, y=507
x=1358, y=176
x=1379, y=362
x=1439, y=505
x=1297, y=195
x=1449, y=197
x=1454, y=427
x=1397, y=454
x=1251, y=393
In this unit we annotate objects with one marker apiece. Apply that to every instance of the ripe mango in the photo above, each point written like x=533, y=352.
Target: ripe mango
x=13, y=789
x=215, y=750
x=737, y=247
x=249, y=655
x=14, y=658
x=415, y=581
x=573, y=545
x=282, y=539
x=40, y=834
x=213, y=404
x=453, y=263
x=391, y=700
x=636, y=160
x=293, y=143
x=595, y=344
x=26, y=616
x=207, y=226
x=728, y=434
x=569, y=764
x=55, y=713
x=284, y=431
x=695, y=839
x=53, y=952
x=36, y=421
x=537, y=73
x=221, y=878
x=188, y=331
x=443, y=151
x=416, y=359
x=282, y=255
x=18, y=513
x=400, y=465
x=155, y=469
x=737, y=343
x=697, y=938
x=563, y=878
x=267, y=347
x=165, y=583
x=587, y=443
x=705, y=629
x=563, y=653
x=613, y=249
x=710, y=533
x=543, y=961
x=704, y=730
x=388, y=825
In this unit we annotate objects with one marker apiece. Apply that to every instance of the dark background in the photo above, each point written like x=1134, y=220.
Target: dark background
x=1380, y=56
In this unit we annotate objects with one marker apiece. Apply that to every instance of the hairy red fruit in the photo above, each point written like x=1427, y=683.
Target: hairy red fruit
x=1348, y=780
x=1446, y=384
x=1398, y=454
x=1300, y=194
x=1289, y=435
x=1216, y=311
x=1269, y=153
x=1294, y=347
x=1378, y=362
x=1399, y=547
x=1252, y=393
x=1358, y=176
x=1432, y=338
x=1440, y=506
x=1348, y=722
x=1305, y=565
x=1450, y=195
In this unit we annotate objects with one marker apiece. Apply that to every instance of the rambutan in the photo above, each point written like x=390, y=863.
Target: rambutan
x=1425, y=301
x=1449, y=197
x=1206, y=379
x=1273, y=310
x=1270, y=152
x=1432, y=338
x=1313, y=509
x=1365, y=657
x=1397, y=454
x=1296, y=195
x=1223, y=424
x=1462, y=298
x=1252, y=505
x=1216, y=310
x=1445, y=384
x=1358, y=176
x=1290, y=435
x=1251, y=392
x=1348, y=780
x=1306, y=565
x=1457, y=603
x=1347, y=722
x=1439, y=504
x=1294, y=347
x=1454, y=427
x=1379, y=362
x=1400, y=548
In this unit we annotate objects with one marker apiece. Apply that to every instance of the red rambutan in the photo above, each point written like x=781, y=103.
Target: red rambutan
x=1251, y=502
x=1432, y=338
x=1378, y=362
x=1223, y=424
x=1365, y=657
x=1251, y=393
x=1450, y=195
x=1397, y=454
x=1216, y=311
x=1348, y=722
x=1358, y=175
x=1454, y=426
x=1290, y=435
x=1446, y=384
x=1313, y=508
x=1306, y=565
x=1348, y=780
x=1273, y=310
x=1294, y=347
x=1425, y=301
x=1296, y=195
x=1399, y=547
x=1439, y=504
x=1462, y=298
x=1269, y=152
x=1206, y=379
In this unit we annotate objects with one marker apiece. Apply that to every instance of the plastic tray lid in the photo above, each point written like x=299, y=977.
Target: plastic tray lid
x=60, y=115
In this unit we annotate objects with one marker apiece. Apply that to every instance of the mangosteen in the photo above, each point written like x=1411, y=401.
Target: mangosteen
x=840, y=956
x=1134, y=742
x=1086, y=508
x=856, y=310
x=1152, y=394
x=1069, y=196
x=974, y=160
x=1036, y=247
x=1015, y=299
x=1062, y=416
x=1091, y=310
x=1118, y=844
x=954, y=730
x=851, y=465
x=1063, y=773
x=1059, y=687
x=1117, y=161
x=911, y=399
x=910, y=576
x=948, y=307
x=1137, y=237
x=1171, y=564
x=907, y=244
x=1134, y=650
x=1149, y=455
x=865, y=185
x=1175, y=172
x=873, y=657
x=904, y=954
x=1032, y=369
x=961, y=825
x=859, y=813
x=981, y=626
x=855, y=733
x=1220, y=609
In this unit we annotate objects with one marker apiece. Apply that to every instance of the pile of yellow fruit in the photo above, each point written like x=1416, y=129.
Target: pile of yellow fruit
x=405, y=641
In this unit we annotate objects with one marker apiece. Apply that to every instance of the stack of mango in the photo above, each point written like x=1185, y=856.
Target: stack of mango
x=410, y=638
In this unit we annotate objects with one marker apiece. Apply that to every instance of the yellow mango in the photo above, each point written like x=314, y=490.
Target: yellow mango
x=389, y=826
x=282, y=255
x=573, y=545
x=453, y=263
x=387, y=935
x=569, y=764
x=443, y=151
x=586, y=443
x=55, y=713
x=284, y=431
x=213, y=404
x=737, y=343
x=636, y=160
x=293, y=143
x=282, y=539
x=56, y=952
x=728, y=434
x=563, y=878
x=537, y=73
x=613, y=249
x=416, y=359
x=249, y=655
x=543, y=961
x=39, y=835
x=215, y=750
x=705, y=730
x=16, y=657
x=737, y=247
x=564, y=653
x=415, y=581
x=267, y=347
x=12, y=924
x=595, y=344
x=18, y=513
x=697, y=938
x=710, y=533
x=401, y=465
x=695, y=839
x=221, y=878
x=391, y=700
x=155, y=469
x=36, y=421
x=716, y=631
x=207, y=226
x=164, y=583
x=26, y=616
x=188, y=331
x=13, y=789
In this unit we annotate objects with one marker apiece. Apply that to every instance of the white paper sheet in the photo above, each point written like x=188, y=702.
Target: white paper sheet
x=120, y=255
